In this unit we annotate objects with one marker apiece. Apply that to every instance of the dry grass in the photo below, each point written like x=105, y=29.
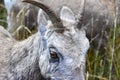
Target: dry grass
x=106, y=65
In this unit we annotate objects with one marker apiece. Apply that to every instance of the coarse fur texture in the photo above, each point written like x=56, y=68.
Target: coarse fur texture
x=98, y=16
x=6, y=42
x=46, y=54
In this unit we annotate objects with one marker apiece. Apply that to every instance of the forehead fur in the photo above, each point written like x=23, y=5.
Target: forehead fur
x=70, y=44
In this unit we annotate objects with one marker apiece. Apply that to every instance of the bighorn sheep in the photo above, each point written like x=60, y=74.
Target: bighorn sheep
x=98, y=16
x=56, y=52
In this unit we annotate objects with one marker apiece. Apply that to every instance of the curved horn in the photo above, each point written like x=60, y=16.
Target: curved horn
x=55, y=20
x=81, y=13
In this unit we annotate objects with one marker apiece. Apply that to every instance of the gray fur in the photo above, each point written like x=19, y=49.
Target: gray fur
x=31, y=60
x=98, y=16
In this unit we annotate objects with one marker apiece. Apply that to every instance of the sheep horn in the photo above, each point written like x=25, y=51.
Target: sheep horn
x=54, y=18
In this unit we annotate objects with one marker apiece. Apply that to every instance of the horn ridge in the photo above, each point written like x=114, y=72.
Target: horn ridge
x=54, y=18
x=80, y=15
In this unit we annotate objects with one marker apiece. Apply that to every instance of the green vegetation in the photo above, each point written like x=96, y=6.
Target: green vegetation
x=105, y=65
x=3, y=14
x=21, y=32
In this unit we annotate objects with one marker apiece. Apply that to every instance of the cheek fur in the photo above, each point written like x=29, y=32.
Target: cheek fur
x=44, y=63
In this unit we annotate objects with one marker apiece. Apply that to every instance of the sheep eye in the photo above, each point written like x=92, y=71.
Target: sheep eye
x=53, y=55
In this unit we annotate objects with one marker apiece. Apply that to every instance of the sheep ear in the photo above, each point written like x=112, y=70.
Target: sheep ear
x=43, y=25
x=42, y=22
x=67, y=16
x=41, y=17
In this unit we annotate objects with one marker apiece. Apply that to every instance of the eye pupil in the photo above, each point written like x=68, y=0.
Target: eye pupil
x=53, y=55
